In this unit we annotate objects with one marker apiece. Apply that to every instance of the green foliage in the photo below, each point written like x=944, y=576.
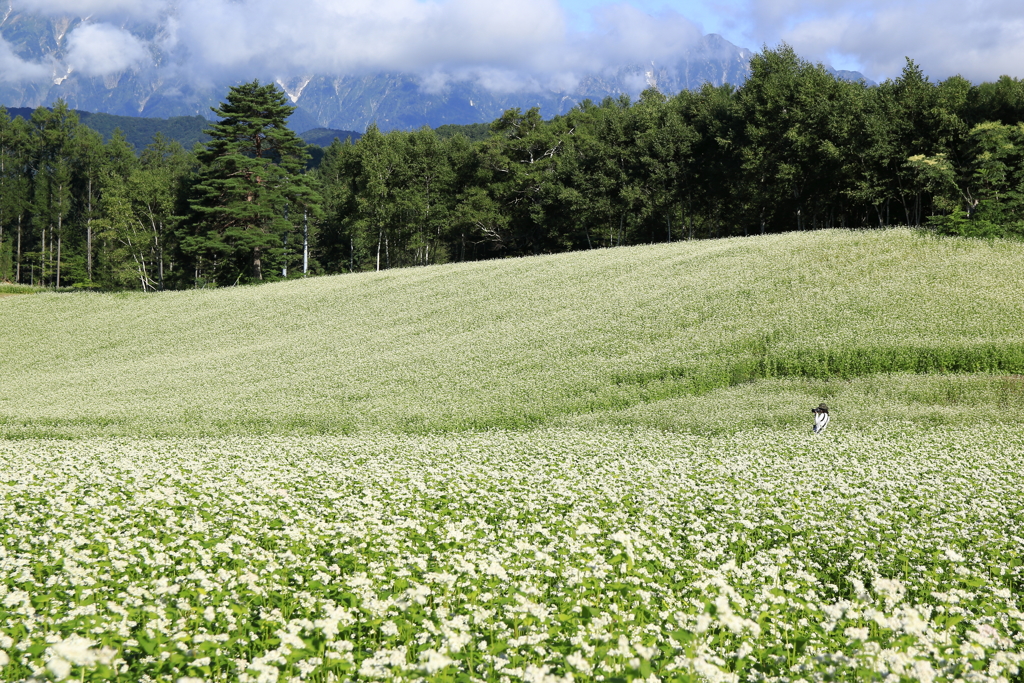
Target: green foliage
x=390, y=200
x=188, y=131
x=65, y=190
x=474, y=132
x=52, y=178
x=794, y=148
x=984, y=198
x=519, y=168
x=14, y=192
x=250, y=176
x=323, y=137
x=9, y=288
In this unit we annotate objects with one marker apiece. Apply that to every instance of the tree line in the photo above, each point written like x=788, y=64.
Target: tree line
x=793, y=148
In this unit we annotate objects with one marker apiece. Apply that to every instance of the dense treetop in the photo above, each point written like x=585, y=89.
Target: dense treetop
x=794, y=148
x=249, y=176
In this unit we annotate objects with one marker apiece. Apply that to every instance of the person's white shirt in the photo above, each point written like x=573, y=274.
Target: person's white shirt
x=820, y=422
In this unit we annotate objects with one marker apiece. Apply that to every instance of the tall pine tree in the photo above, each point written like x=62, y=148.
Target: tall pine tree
x=15, y=192
x=251, y=174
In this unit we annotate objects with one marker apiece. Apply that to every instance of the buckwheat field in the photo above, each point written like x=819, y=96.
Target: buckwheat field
x=587, y=468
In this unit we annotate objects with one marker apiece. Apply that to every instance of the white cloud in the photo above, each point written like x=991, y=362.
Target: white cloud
x=980, y=40
x=145, y=9
x=14, y=69
x=625, y=35
x=346, y=37
x=507, y=45
x=102, y=49
x=503, y=46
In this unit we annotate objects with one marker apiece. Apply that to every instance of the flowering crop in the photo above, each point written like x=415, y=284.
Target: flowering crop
x=512, y=344
x=888, y=555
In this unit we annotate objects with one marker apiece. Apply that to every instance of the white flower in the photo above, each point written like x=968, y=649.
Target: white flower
x=432, y=661
x=60, y=668
x=76, y=650
x=859, y=589
x=290, y=639
x=712, y=672
x=953, y=555
x=985, y=635
x=732, y=622
x=15, y=597
x=923, y=671
x=644, y=651
x=912, y=623
x=854, y=633
x=892, y=590
x=577, y=661
x=496, y=570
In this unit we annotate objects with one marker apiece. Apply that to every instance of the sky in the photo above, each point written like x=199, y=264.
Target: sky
x=978, y=39
x=516, y=45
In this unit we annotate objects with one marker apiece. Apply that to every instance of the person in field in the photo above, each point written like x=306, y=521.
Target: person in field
x=820, y=418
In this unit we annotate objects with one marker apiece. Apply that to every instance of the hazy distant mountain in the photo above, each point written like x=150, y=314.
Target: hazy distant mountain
x=325, y=136
x=400, y=101
x=345, y=103
x=139, y=131
x=186, y=130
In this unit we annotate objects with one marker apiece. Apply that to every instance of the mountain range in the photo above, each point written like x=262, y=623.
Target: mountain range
x=186, y=130
x=393, y=100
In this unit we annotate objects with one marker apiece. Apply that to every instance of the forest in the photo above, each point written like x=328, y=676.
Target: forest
x=794, y=148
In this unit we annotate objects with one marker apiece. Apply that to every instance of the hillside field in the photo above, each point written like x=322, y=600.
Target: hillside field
x=883, y=325
x=585, y=468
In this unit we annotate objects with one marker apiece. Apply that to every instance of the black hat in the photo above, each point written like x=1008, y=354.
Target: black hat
x=823, y=408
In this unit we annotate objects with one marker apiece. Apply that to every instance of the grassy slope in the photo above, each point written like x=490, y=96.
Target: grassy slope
x=665, y=335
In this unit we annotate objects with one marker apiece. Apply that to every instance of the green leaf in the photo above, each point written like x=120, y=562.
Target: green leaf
x=148, y=645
